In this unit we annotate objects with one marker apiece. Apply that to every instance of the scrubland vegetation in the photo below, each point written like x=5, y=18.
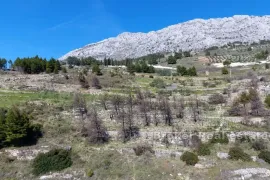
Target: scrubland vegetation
x=89, y=119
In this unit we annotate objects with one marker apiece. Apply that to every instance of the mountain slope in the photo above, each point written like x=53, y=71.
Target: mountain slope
x=192, y=35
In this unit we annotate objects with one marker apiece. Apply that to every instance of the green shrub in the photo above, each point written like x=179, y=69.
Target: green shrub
x=141, y=149
x=236, y=153
x=259, y=145
x=90, y=173
x=220, y=137
x=158, y=83
x=267, y=101
x=54, y=160
x=204, y=150
x=265, y=155
x=190, y=158
x=224, y=70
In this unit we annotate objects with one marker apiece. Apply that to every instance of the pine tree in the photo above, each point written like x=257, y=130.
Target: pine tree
x=55, y=71
x=17, y=126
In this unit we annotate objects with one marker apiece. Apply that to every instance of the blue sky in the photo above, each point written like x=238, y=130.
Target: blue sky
x=51, y=28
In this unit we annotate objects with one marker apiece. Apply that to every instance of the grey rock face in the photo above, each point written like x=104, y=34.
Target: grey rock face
x=192, y=35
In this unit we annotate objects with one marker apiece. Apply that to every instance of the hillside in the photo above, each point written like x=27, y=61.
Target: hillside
x=193, y=35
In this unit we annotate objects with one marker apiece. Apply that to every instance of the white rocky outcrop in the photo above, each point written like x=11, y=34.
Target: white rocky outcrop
x=192, y=35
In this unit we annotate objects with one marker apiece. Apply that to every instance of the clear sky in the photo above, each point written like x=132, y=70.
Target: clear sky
x=51, y=28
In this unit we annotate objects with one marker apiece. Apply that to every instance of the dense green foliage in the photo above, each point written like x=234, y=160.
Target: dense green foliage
x=35, y=65
x=16, y=129
x=224, y=71
x=3, y=63
x=96, y=69
x=227, y=63
x=236, y=153
x=220, y=137
x=204, y=150
x=183, y=71
x=190, y=158
x=187, y=54
x=158, y=83
x=171, y=60
x=265, y=155
x=89, y=61
x=267, y=101
x=140, y=67
x=55, y=160
x=151, y=58
x=89, y=173
x=262, y=55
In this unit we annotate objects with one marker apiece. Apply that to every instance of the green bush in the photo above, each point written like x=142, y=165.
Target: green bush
x=220, y=137
x=224, y=70
x=267, y=101
x=90, y=173
x=54, y=160
x=190, y=158
x=158, y=83
x=204, y=150
x=236, y=153
x=265, y=155
x=259, y=145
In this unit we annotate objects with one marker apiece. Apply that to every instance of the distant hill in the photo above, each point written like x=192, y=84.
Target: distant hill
x=192, y=35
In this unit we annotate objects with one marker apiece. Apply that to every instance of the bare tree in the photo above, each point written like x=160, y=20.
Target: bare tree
x=256, y=104
x=83, y=81
x=79, y=104
x=174, y=102
x=95, y=82
x=144, y=108
x=254, y=82
x=96, y=132
x=195, y=109
x=181, y=108
x=155, y=114
x=128, y=129
x=103, y=100
x=116, y=100
x=166, y=111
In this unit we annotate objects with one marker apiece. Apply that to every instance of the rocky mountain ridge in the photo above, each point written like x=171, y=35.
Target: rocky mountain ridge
x=192, y=35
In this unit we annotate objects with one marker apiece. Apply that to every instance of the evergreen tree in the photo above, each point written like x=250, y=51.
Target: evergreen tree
x=181, y=70
x=55, y=71
x=2, y=127
x=138, y=68
x=96, y=69
x=131, y=68
x=3, y=63
x=178, y=55
x=171, y=60
x=17, y=126
x=192, y=71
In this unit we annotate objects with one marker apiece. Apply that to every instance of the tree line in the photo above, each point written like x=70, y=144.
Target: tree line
x=36, y=65
x=183, y=71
